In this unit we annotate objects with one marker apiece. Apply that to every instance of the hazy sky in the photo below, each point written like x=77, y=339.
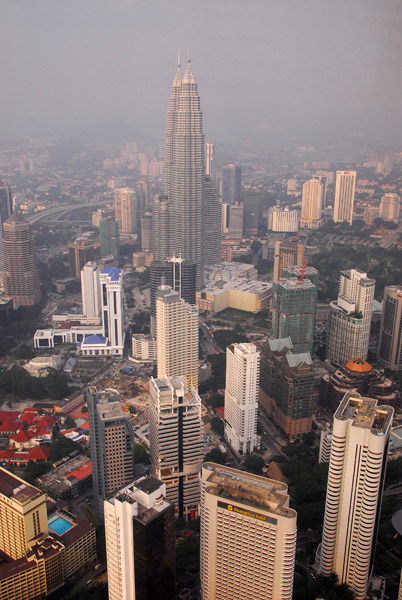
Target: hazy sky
x=259, y=64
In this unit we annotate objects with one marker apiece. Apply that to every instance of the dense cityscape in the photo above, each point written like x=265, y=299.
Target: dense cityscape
x=200, y=362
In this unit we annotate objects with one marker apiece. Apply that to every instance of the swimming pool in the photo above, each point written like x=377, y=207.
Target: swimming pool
x=59, y=524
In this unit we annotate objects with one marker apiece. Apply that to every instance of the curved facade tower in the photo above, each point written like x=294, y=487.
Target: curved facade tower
x=355, y=483
x=185, y=172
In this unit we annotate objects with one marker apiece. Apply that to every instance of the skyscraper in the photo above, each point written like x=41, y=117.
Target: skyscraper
x=160, y=226
x=390, y=343
x=176, y=442
x=344, y=196
x=350, y=318
x=235, y=229
x=252, y=208
x=20, y=274
x=90, y=290
x=109, y=237
x=184, y=172
x=390, y=207
x=112, y=445
x=177, y=335
x=179, y=274
x=140, y=542
x=6, y=209
x=248, y=536
x=286, y=387
x=125, y=208
x=231, y=184
x=313, y=199
x=79, y=253
x=209, y=165
x=355, y=483
x=212, y=225
x=294, y=304
x=146, y=232
x=111, y=289
x=241, y=397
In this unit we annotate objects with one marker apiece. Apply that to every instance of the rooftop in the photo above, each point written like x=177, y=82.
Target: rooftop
x=365, y=413
x=113, y=273
x=13, y=487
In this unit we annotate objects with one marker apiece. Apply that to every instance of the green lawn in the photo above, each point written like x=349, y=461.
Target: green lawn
x=232, y=314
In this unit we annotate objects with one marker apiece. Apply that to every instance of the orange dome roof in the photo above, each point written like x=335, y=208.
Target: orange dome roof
x=359, y=365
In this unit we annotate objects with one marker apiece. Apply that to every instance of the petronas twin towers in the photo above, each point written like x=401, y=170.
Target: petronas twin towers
x=182, y=217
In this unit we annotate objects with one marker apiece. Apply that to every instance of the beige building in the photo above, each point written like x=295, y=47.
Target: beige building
x=312, y=202
x=176, y=442
x=144, y=347
x=287, y=254
x=177, y=341
x=356, y=476
x=250, y=296
x=370, y=214
x=248, y=536
x=20, y=273
x=125, y=209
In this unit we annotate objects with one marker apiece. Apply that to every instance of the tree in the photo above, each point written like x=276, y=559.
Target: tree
x=255, y=246
x=84, y=409
x=215, y=456
x=140, y=454
x=24, y=352
x=217, y=425
x=61, y=447
x=69, y=423
x=34, y=470
x=254, y=463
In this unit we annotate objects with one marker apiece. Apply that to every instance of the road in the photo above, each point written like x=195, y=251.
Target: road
x=62, y=210
x=208, y=342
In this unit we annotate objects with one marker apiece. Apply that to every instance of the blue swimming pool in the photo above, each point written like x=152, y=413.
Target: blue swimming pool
x=59, y=524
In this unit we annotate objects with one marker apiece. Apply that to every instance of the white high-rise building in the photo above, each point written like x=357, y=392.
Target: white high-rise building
x=390, y=207
x=176, y=442
x=241, y=397
x=350, y=318
x=137, y=566
x=355, y=482
x=111, y=286
x=177, y=336
x=248, y=536
x=344, y=196
x=125, y=207
x=90, y=290
x=313, y=199
x=283, y=220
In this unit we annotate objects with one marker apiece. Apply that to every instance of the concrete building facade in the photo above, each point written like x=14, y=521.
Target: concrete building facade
x=390, y=342
x=344, y=196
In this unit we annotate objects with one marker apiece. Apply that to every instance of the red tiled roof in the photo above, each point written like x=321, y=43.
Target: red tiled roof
x=8, y=420
x=83, y=472
x=220, y=411
x=22, y=436
x=39, y=453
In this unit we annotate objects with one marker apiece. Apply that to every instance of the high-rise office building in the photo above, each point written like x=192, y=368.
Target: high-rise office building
x=111, y=290
x=235, y=228
x=20, y=273
x=109, y=237
x=146, y=232
x=176, y=442
x=252, y=210
x=248, y=536
x=286, y=387
x=390, y=343
x=179, y=274
x=90, y=290
x=355, y=483
x=344, y=196
x=390, y=207
x=212, y=225
x=287, y=254
x=6, y=209
x=160, y=227
x=184, y=172
x=350, y=318
x=79, y=253
x=241, y=397
x=125, y=208
x=177, y=334
x=140, y=542
x=209, y=165
x=313, y=200
x=294, y=304
x=112, y=445
x=231, y=184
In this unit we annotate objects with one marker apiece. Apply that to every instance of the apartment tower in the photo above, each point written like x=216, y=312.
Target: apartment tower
x=248, y=536
x=390, y=344
x=176, y=442
x=20, y=274
x=390, y=207
x=350, y=318
x=177, y=335
x=355, y=483
x=344, y=196
x=112, y=445
x=241, y=397
x=313, y=200
x=125, y=208
x=140, y=542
